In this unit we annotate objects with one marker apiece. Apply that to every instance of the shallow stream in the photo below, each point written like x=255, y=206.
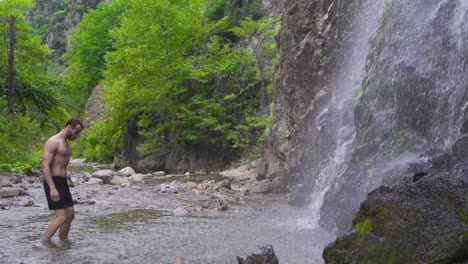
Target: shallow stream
x=137, y=225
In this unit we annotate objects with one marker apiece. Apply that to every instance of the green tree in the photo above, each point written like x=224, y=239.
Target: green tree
x=38, y=108
x=172, y=72
x=90, y=42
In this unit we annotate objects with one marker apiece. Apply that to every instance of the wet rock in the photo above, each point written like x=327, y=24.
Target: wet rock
x=265, y=186
x=239, y=186
x=104, y=175
x=5, y=182
x=205, y=185
x=264, y=255
x=410, y=222
x=15, y=179
x=137, y=178
x=11, y=192
x=240, y=173
x=222, y=184
x=19, y=186
x=23, y=201
x=460, y=148
x=85, y=198
x=159, y=173
x=125, y=172
x=80, y=177
x=180, y=211
x=187, y=173
x=190, y=185
x=215, y=204
x=138, y=188
x=168, y=188
x=94, y=181
x=120, y=181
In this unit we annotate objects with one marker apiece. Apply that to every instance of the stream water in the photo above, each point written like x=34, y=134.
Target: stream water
x=136, y=225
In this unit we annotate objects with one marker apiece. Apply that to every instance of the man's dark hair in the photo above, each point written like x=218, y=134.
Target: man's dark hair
x=73, y=123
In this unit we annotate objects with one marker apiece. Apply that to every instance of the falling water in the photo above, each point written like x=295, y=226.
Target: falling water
x=340, y=108
x=458, y=65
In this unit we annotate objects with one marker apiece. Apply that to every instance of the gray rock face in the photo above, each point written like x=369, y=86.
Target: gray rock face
x=413, y=101
x=181, y=158
x=264, y=255
x=421, y=219
x=94, y=107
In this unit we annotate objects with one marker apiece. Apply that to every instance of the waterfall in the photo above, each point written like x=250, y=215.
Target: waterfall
x=413, y=108
x=453, y=85
x=339, y=113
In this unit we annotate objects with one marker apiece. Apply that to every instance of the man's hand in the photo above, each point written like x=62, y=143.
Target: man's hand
x=54, y=195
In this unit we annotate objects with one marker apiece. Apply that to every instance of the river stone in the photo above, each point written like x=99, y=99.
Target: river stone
x=264, y=255
x=180, y=211
x=19, y=186
x=222, y=184
x=5, y=179
x=94, y=181
x=265, y=186
x=23, y=201
x=423, y=221
x=104, y=175
x=11, y=192
x=215, y=204
x=205, y=185
x=125, y=172
x=85, y=198
x=136, y=178
x=190, y=185
x=120, y=181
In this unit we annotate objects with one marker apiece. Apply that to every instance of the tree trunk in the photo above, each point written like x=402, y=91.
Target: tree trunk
x=11, y=67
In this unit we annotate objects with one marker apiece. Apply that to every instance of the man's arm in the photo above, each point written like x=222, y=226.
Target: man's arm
x=50, y=149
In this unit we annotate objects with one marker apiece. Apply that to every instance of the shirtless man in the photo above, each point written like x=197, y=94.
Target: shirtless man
x=55, y=160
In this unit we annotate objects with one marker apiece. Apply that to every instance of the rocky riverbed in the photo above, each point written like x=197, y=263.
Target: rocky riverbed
x=125, y=217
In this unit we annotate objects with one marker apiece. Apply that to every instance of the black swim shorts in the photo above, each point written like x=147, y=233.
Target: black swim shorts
x=61, y=185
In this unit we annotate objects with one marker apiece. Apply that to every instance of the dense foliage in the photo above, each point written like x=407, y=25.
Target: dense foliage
x=37, y=105
x=171, y=69
x=52, y=19
x=90, y=42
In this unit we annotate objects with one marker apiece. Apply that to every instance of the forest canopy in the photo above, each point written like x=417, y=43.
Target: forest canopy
x=177, y=72
x=173, y=70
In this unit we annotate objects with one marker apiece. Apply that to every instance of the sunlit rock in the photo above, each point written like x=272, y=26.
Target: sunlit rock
x=104, y=175
x=125, y=172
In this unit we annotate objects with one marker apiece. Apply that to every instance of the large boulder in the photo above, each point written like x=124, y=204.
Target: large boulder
x=120, y=181
x=104, y=175
x=421, y=219
x=126, y=172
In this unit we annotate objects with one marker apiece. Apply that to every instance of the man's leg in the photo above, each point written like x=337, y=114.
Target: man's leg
x=65, y=228
x=58, y=220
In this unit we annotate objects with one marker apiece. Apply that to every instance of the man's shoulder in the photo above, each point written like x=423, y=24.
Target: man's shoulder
x=53, y=141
